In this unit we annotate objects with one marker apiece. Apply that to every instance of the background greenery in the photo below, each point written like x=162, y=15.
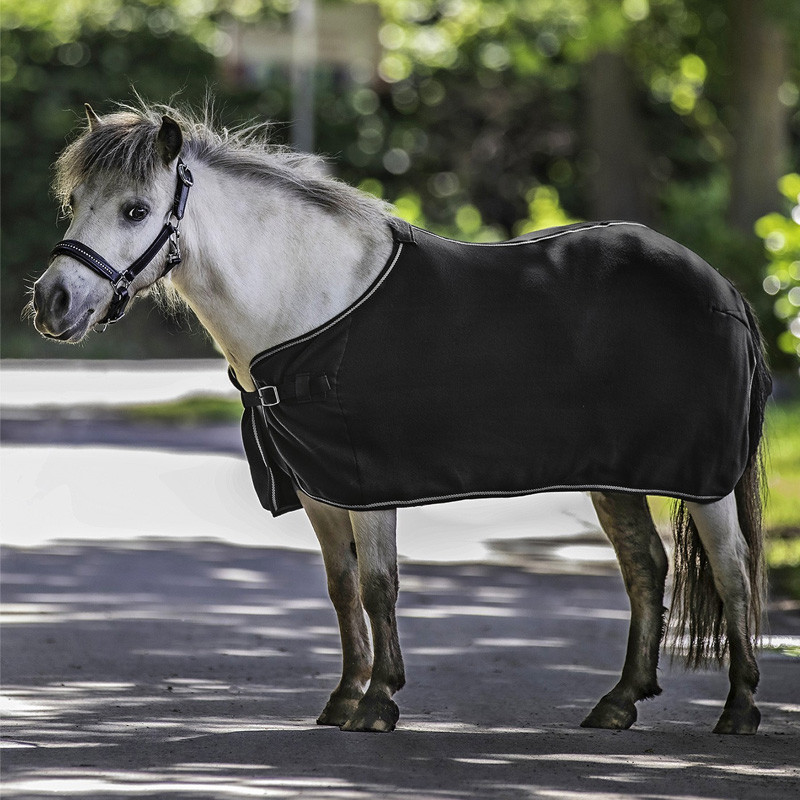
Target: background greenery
x=486, y=119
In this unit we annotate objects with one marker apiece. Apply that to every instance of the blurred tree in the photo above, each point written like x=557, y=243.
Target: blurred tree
x=621, y=184
x=486, y=118
x=759, y=68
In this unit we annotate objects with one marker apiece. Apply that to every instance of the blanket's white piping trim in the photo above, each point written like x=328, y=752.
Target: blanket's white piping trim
x=538, y=239
x=264, y=458
x=515, y=493
x=317, y=331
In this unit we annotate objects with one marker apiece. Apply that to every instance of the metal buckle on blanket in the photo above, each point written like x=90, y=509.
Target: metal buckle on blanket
x=266, y=400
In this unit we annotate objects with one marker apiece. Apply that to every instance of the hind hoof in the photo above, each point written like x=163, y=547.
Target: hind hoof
x=743, y=723
x=615, y=715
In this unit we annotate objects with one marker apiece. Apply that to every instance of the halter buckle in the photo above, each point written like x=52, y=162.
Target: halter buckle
x=174, y=254
x=121, y=285
x=185, y=174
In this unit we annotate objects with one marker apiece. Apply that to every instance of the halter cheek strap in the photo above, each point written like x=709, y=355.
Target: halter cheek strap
x=121, y=281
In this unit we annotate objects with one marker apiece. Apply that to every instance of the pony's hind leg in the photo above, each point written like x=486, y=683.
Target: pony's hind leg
x=626, y=520
x=728, y=554
x=335, y=534
x=377, y=571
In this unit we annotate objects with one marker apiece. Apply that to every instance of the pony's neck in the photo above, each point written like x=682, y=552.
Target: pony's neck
x=262, y=265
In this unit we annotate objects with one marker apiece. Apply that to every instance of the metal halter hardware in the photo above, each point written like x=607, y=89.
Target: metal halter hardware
x=121, y=281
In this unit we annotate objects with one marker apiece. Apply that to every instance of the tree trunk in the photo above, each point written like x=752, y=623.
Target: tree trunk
x=619, y=178
x=760, y=121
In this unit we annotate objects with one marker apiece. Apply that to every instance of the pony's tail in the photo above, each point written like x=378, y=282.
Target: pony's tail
x=696, y=616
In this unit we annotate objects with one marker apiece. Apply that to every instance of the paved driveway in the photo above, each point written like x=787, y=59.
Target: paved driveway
x=165, y=669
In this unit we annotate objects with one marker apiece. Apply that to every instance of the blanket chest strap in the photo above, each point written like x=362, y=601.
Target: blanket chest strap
x=303, y=388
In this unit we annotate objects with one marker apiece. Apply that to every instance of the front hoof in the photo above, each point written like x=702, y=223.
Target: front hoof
x=341, y=706
x=615, y=715
x=374, y=715
x=337, y=712
x=742, y=722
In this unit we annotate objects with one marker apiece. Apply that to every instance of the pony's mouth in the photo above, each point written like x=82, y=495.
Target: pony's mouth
x=72, y=334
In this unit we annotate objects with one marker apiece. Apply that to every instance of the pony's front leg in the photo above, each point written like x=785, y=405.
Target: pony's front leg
x=377, y=572
x=627, y=522
x=335, y=534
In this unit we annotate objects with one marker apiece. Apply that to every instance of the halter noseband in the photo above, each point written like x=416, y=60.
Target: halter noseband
x=170, y=232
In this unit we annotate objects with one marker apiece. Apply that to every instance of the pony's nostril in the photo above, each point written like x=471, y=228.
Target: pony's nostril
x=60, y=301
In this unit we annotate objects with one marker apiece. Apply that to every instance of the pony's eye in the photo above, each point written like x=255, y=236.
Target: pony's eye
x=136, y=212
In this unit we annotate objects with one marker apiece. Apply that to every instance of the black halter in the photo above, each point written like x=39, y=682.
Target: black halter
x=122, y=280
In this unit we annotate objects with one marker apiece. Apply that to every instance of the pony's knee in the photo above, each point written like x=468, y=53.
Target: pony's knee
x=343, y=588
x=379, y=592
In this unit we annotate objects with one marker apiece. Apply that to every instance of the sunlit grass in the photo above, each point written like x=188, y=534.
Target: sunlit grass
x=189, y=410
x=783, y=508
x=783, y=468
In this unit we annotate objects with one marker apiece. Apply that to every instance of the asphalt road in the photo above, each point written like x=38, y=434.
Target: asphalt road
x=195, y=669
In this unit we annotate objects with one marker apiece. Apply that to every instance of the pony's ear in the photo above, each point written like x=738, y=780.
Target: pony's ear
x=92, y=118
x=169, y=140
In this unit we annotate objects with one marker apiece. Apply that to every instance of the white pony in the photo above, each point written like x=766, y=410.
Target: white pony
x=273, y=249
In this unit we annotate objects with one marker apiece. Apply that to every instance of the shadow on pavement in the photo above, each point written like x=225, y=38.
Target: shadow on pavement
x=196, y=669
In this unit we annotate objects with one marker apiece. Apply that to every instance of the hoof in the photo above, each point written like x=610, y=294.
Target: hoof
x=373, y=715
x=336, y=714
x=741, y=722
x=615, y=715
x=340, y=709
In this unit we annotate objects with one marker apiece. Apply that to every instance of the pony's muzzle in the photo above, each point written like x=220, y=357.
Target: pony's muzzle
x=51, y=303
x=55, y=316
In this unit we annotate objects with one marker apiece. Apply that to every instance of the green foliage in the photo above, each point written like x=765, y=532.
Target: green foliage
x=783, y=508
x=781, y=236
x=783, y=467
x=784, y=553
x=694, y=213
x=475, y=128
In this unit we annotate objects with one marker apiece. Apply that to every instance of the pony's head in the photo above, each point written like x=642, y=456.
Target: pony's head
x=117, y=184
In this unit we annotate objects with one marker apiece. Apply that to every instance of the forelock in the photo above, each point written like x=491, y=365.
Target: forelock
x=124, y=144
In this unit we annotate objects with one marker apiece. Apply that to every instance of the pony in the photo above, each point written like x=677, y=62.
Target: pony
x=269, y=251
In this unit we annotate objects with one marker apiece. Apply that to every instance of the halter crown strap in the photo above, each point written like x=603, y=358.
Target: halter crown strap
x=122, y=280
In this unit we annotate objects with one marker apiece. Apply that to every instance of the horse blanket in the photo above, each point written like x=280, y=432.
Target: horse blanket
x=594, y=356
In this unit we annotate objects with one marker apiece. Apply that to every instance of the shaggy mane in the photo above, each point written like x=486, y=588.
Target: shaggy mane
x=125, y=144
